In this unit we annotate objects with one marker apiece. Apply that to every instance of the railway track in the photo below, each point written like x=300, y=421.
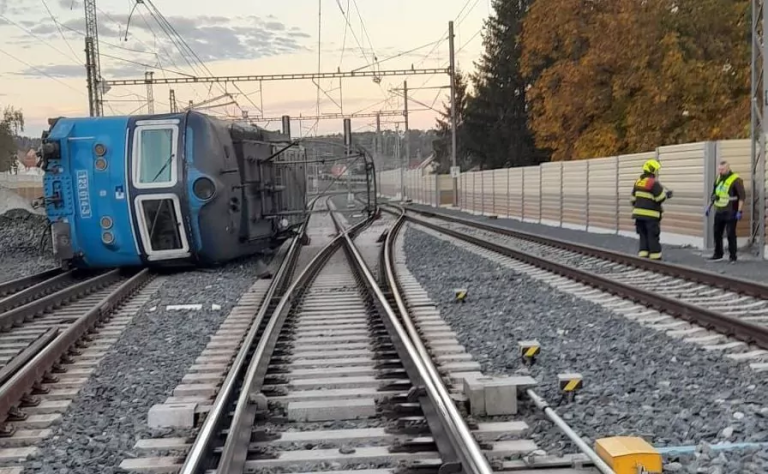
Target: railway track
x=344, y=371
x=48, y=347
x=9, y=288
x=717, y=307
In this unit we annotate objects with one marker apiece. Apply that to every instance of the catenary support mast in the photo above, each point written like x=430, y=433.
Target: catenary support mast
x=92, y=62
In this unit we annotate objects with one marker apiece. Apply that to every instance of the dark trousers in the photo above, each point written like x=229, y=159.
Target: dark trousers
x=649, y=231
x=725, y=221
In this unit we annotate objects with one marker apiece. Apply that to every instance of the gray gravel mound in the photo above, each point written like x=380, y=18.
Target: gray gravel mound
x=22, y=231
x=748, y=267
x=25, y=244
x=637, y=381
x=152, y=355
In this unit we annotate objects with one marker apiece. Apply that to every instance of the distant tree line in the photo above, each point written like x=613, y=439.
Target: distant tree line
x=575, y=79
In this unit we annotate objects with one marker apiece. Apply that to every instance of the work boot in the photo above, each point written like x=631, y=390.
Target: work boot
x=715, y=258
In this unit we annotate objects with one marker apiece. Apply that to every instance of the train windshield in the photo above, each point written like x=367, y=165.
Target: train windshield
x=156, y=155
x=160, y=224
x=155, y=161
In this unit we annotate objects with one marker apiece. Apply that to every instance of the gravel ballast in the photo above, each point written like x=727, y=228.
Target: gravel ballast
x=141, y=369
x=748, y=266
x=25, y=244
x=637, y=381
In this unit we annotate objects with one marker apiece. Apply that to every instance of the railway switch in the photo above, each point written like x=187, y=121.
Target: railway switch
x=529, y=350
x=629, y=455
x=460, y=294
x=570, y=384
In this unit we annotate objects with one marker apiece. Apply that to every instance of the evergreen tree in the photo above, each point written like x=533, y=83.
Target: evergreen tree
x=496, y=118
x=442, y=144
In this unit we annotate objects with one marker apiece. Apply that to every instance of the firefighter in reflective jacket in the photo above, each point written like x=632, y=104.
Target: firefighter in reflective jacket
x=647, y=196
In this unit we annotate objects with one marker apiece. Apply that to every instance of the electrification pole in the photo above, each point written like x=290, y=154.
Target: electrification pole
x=377, y=145
x=348, y=152
x=759, y=127
x=407, y=159
x=172, y=99
x=92, y=62
x=150, y=93
x=452, y=78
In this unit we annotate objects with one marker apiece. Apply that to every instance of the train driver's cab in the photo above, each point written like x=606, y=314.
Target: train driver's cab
x=155, y=179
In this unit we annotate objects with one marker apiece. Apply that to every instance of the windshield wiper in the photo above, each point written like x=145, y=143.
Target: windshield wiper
x=168, y=162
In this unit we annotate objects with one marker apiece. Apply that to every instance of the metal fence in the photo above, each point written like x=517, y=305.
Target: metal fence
x=592, y=195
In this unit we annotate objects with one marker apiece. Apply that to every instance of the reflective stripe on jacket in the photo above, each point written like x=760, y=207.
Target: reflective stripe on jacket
x=647, y=196
x=723, y=191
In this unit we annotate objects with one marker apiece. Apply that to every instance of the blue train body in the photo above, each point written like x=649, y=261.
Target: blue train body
x=172, y=189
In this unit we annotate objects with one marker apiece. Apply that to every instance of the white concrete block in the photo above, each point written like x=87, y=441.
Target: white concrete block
x=500, y=397
x=474, y=390
x=332, y=410
x=180, y=415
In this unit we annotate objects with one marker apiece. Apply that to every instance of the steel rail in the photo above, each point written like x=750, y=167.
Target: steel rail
x=23, y=282
x=25, y=379
x=197, y=456
x=235, y=451
x=35, y=291
x=730, y=283
x=470, y=455
x=550, y=412
x=727, y=325
x=22, y=313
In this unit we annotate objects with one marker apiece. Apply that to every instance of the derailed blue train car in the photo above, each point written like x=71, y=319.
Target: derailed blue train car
x=168, y=190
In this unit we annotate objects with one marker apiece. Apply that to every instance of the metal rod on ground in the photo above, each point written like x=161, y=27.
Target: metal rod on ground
x=452, y=78
x=583, y=447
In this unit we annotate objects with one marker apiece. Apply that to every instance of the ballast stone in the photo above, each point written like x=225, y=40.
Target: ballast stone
x=177, y=415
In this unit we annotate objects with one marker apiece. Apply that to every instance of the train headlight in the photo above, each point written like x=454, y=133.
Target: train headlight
x=204, y=188
x=107, y=237
x=284, y=223
x=100, y=149
x=101, y=164
x=106, y=222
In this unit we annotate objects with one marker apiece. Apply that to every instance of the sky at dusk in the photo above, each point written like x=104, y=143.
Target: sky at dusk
x=42, y=60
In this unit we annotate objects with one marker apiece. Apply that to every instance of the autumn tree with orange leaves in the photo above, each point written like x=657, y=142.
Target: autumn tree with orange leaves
x=622, y=76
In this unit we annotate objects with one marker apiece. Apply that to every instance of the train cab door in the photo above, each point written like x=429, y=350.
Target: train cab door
x=157, y=185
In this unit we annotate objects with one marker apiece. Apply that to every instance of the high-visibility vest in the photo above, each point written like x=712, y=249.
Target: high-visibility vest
x=647, y=196
x=723, y=191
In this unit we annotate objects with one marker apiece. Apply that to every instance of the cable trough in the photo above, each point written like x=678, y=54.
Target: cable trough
x=732, y=307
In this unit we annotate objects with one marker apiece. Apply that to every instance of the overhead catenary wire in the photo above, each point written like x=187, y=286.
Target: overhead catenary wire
x=74, y=59
x=58, y=27
x=79, y=91
x=186, y=45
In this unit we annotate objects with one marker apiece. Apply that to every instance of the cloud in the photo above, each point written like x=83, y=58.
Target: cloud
x=212, y=38
x=14, y=7
x=55, y=70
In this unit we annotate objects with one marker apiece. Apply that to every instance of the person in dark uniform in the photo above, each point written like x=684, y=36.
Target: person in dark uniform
x=647, y=196
x=728, y=196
